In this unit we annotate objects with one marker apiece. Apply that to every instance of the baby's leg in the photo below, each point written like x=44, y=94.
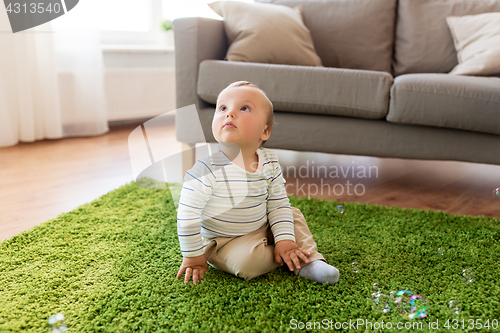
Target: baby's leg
x=304, y=238
x=246, y=256
x=317, y=270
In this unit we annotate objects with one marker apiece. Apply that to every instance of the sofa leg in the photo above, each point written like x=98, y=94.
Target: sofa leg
x=188, y=156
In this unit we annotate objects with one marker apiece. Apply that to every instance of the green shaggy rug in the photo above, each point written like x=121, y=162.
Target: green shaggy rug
x=110, y=265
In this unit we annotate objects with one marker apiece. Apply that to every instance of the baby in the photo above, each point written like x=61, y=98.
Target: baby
x=233, y=211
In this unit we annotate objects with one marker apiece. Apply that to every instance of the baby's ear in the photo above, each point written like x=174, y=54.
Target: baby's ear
x=266, y=134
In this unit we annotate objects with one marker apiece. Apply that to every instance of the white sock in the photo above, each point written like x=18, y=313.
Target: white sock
x=320, y=271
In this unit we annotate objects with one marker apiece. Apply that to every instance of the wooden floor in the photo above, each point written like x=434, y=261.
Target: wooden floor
x=43, y=179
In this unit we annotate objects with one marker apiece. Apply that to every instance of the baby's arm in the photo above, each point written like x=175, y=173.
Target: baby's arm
x=195, y=193
x=279, y=211
x=281, y=221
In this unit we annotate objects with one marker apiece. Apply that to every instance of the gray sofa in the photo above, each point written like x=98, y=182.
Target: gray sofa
x=399, y=103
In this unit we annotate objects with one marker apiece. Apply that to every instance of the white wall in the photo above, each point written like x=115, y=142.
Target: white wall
x=139, y=81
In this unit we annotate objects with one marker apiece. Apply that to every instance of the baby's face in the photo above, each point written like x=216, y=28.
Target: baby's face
x=241, y=117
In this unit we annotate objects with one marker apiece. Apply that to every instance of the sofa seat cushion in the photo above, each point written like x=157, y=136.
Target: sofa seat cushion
x=442, y=100
x=305, y=89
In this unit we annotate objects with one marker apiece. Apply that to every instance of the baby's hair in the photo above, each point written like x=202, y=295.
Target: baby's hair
x=270, y=113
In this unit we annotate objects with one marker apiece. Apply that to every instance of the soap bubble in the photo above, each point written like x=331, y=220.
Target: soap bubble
x=56, y=323
x=355, y=267
x=441, y=251
x=52, y=320
x=418, y=307
x=467, y=275
x=402, y=302
x=454, y=306
x=381, y=302
x=340, y=209
x=376, y=287
x=410, y=306
x=496, y=193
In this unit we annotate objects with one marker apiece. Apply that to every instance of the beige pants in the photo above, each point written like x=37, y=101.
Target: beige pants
x=252, y=255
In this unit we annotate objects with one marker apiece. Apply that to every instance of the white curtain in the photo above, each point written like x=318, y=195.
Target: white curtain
x=52, y=78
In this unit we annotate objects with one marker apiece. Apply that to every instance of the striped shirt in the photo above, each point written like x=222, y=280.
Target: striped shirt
x=220, y=199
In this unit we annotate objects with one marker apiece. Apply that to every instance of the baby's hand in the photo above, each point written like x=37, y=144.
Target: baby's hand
x=196, y=266
x=290, y=252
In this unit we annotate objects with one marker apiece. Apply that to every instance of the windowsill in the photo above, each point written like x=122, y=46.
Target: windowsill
x=119, y=48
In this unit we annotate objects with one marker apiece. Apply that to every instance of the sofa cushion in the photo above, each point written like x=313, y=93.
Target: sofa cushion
x=266, y=33
x=423, y=41
x=442, y=100
x=319, y=90
x=355, y=34
x=477, y=41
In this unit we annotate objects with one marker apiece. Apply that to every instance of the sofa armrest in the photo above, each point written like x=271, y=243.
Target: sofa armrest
x=196, y=39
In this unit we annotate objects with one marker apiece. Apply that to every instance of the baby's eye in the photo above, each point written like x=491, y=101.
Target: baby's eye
x=244, y=107
x=222, y=108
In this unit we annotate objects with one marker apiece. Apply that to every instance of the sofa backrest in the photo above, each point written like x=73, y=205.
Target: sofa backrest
x=423, y=42
x=355, y=34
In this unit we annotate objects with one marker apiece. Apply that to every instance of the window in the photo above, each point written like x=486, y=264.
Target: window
x=174, y=9
x=138, y=21
x=124, y=15
x=130, y=21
